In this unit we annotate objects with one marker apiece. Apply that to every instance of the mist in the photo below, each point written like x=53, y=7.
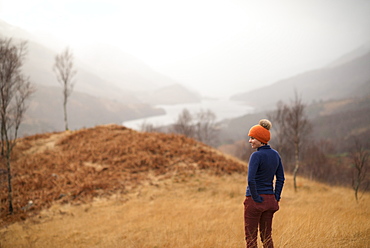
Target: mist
x=217, y=48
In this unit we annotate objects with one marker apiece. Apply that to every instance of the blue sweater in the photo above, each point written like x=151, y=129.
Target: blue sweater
x=264, y=165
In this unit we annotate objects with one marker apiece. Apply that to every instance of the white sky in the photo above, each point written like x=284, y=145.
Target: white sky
x=218, y=47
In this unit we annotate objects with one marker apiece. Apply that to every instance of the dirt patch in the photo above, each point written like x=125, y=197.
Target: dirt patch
x=40, y=145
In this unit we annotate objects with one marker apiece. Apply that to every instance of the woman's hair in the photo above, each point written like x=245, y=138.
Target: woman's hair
x=265, y=123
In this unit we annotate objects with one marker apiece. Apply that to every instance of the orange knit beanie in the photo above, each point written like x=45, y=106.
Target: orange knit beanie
x=261, y=131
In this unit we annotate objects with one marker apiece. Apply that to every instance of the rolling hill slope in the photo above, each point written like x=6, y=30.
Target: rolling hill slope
x=75, y=166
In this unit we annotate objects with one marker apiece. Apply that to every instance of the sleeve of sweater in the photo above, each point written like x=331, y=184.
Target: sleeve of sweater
x=279, y=181
x=254, y=162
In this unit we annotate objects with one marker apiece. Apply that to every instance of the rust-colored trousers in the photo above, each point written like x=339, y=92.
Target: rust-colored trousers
x=259, y=215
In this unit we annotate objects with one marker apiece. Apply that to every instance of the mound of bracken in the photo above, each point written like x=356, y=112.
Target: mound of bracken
x=76, y=166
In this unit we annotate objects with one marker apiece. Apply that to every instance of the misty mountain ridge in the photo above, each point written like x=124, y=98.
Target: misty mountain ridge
x=102, y=93
x=337, y=99
x=105, y=74
x=348, y=76
x=122, y=69
x=348, y=57
x=102, y=70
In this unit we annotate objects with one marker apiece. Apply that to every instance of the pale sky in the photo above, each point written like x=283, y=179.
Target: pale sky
x=217, y=47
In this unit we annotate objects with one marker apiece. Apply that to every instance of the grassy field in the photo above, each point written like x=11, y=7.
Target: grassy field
x=199, y=211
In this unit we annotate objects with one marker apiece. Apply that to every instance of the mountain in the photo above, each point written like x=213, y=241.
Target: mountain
x=39, y=67
x=337, y=100
x=342, y=121
x=111, y=86
x=102, y=70
x=336, y=120
x=45, y=111
x=39, y=61
x=341, y=79
x=122, y=69
x=359, y=52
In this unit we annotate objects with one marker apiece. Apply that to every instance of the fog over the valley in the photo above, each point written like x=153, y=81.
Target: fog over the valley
x=215, y=47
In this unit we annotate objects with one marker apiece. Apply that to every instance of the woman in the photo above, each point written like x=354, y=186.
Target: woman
x=262, y=196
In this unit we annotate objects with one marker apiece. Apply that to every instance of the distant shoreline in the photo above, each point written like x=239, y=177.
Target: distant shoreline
x=222, y=108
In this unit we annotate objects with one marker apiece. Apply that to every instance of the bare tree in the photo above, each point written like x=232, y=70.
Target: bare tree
x=15, y=89
x=300, y=126
x=200, y=126
x=293, y=128
x=65, y=73
x=148, y=127
x=279, y=117
x=206, y=129
x=184, y=124
x=360, y=157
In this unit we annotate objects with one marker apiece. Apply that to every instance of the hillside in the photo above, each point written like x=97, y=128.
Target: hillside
x=343, y=79
x=75, y=166
x=352, y=111
x=110, y=186
x=122, y=69
x=45, y=111
x=336, y=99
x=199, y=211
x=336, y=121
x=102, y=70
x=339, y=121
x=38, y=66
x=105, y=76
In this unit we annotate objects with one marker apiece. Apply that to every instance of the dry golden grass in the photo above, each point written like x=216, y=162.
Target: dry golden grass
x=76, y=166
x=199, y=211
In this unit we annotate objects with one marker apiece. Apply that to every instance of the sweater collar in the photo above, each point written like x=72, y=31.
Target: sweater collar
x=263, y=147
